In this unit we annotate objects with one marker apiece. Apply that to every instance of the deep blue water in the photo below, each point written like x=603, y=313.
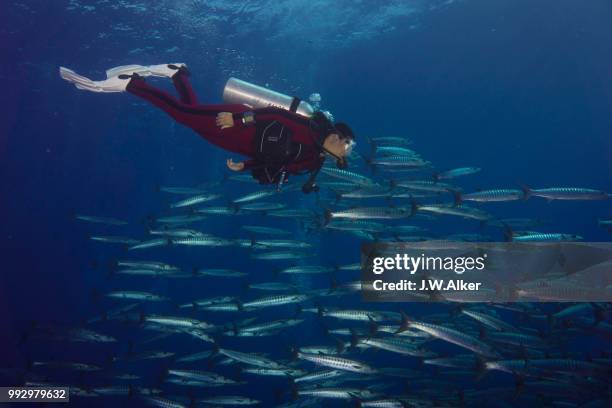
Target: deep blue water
x=519, y=88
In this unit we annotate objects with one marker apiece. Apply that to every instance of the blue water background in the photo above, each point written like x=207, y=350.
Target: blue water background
x=519, y=88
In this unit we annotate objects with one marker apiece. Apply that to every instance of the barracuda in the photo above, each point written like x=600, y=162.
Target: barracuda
x=175, y=321
x=209, y=301
x=145, y=272
x=262, y=206
x=178, y=233
x=208, y=241
x=277, y=300
x=195, y=200
x=320, y=375
x=274, y=372
x=180, y=219
x=281, y=243
x=534, y=237
x=489, y=320
x=451, y=336
x=292, y=213
x=221, y=273
x=201, y=376
x=492, y=195
x=568, y=193
x=461, y=171
x=273, y=286
x=338, y=363
x=358, y=315
x=464, y=212
x=217, y=210
x=255, y=196
x=349, y=176
x=425, y=185
x=100, y=220
x=250, y=359
x=278, y=255
x=147, y=265
x=400, y=161
x=228, y=400
x=182, y=190
x=131, y=295
x=222, y=307
x=396, y=345
x=150, y=244
x=356, y=225
x=114, y=239
x=277, y=324
x=307, y=269
x=370, y=213
x=336, y=393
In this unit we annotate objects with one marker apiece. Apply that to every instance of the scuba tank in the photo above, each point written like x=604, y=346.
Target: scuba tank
x=242, y=92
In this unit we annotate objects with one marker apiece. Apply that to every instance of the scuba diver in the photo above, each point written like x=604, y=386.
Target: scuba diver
x=277, y=141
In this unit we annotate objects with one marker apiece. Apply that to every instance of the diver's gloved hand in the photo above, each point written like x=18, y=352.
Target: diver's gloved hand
x=225, y=120
x=235, y=166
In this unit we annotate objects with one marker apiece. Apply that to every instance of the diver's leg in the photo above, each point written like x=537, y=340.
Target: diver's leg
x=113, y=84
x=200, y=118
x=181, y=82
x=118, y=77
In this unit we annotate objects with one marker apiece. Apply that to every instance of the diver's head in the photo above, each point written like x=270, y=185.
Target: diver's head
x=340, y=141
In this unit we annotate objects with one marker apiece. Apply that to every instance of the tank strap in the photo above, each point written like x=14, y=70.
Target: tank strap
x=295, y=102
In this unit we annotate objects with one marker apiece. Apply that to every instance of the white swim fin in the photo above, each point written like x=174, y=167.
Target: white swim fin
x=112, y=84
x=161, y=70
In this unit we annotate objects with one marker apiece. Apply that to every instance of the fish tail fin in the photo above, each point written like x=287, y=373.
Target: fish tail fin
x=320, y=310
x=354, y=338
x=456, y=310
x=294, y=392
x=507, y=231
x=550, y=320
x=333, y=284
x=373, y=327
x=404, y=323
x=457, y=196
x=328, y=216
x=339, y=345
x=480, y=368
x=526, y=190
x=519, y=384
x=414, y=207
x=216, y=349
x=294, y=353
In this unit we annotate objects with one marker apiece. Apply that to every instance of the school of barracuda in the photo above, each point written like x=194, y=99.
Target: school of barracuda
x=382, y=355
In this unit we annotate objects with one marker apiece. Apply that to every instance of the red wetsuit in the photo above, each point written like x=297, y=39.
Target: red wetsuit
x=238, y=138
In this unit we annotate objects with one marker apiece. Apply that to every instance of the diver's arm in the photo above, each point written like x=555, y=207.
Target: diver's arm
x=292, y=120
